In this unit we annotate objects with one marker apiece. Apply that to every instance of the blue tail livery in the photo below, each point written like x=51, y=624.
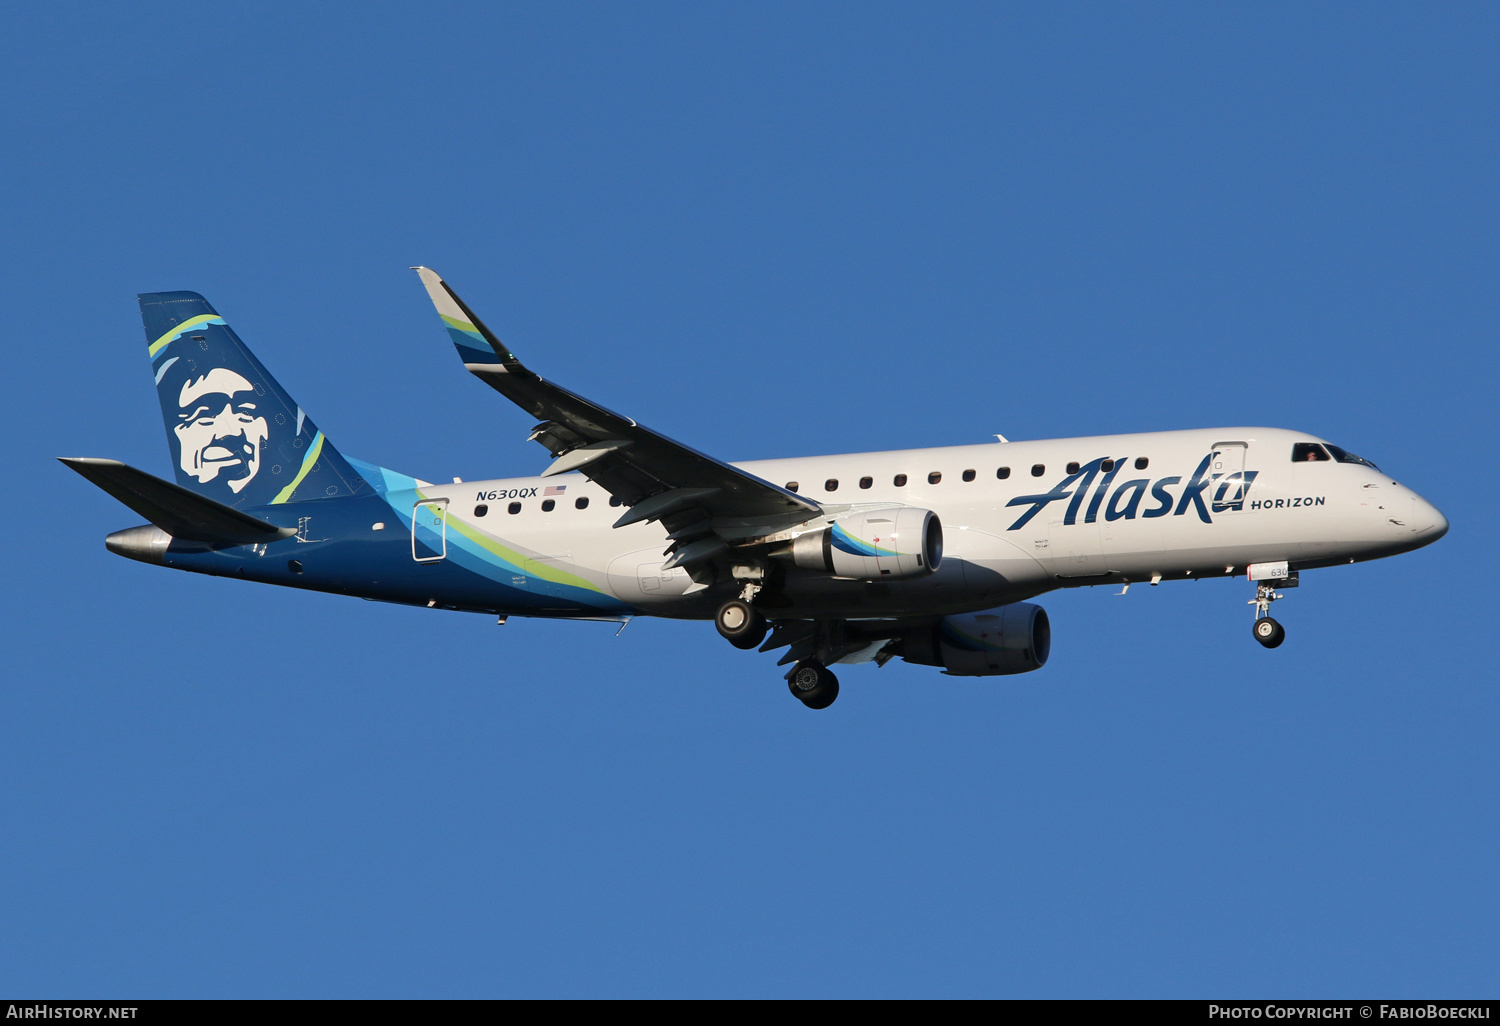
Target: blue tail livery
x=236, y=436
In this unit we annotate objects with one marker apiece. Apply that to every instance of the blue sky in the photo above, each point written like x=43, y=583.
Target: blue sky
x=767, y=230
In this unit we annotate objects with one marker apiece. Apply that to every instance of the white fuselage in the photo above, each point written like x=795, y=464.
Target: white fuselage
x=1167, y=505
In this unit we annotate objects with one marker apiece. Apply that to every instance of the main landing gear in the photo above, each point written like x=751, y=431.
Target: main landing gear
x=810, y=682
x=1266, y=630
x=741, y=624
x=813, y=684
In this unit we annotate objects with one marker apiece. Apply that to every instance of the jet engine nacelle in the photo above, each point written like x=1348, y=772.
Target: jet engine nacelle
x=892, y=544
x=1011, y=639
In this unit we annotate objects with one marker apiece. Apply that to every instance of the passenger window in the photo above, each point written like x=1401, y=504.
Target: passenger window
x=582, y=502
x=831, y=485
x=866, y=482
x=1038, y=470
x=968, y=475
x=1308, y=452
x=514, y=507
x=1003, y=473
x=792, y=486
x=1141, y=463
x=480, y=511
x=1107, y=466
x=899, y=481
x=1072, y=468
x=548, y=505
x=614, y=500
x=934, y=477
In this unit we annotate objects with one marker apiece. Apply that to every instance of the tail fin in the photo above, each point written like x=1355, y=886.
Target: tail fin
x=236, y=435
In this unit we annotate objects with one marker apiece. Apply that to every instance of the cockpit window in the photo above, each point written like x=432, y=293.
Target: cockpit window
x=1308, y=452
x=1345, y=456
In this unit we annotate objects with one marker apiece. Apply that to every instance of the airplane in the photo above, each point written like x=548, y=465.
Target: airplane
x=927, y=555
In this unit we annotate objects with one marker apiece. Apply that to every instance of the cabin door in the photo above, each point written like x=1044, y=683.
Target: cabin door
x=429, y=531
x=1227, y=493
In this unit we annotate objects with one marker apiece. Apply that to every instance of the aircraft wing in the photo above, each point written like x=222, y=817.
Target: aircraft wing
x=659, y=478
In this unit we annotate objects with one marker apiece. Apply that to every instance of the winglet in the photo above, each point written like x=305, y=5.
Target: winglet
x=476, y=344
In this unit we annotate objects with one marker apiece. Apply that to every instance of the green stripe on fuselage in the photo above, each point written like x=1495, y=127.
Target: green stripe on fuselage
x=513, y=560
x=522, y=564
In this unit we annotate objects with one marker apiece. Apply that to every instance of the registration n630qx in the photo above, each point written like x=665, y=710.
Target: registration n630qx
x=927, y=555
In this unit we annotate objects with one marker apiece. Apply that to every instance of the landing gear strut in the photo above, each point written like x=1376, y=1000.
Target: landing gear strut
x=741, y=624
x=1266, y=630
x=813, y=684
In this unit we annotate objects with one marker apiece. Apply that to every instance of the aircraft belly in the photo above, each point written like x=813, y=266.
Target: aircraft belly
x=638, y=578
x=992, y=567
x=1074, y=550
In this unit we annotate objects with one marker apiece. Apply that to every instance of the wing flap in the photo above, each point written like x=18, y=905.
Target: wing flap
x=582, y=456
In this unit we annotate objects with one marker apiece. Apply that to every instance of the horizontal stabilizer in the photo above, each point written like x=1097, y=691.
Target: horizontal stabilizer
x=174, y=509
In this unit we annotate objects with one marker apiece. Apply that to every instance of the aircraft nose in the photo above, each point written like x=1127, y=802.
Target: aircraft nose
x=1439, y=523
x=1429, y=521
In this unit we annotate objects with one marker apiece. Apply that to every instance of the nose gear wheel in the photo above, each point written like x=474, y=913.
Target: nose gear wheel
x=1268, y=632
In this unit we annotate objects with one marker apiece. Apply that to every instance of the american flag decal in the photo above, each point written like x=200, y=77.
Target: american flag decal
x=555, y=490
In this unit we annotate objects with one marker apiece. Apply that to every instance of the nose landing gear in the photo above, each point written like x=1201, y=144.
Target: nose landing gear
x=1266, y=630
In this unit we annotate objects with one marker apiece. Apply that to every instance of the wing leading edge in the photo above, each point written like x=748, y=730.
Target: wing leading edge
x=657, y=477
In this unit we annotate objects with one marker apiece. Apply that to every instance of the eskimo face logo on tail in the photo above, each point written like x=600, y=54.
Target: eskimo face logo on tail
x=220, y=432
